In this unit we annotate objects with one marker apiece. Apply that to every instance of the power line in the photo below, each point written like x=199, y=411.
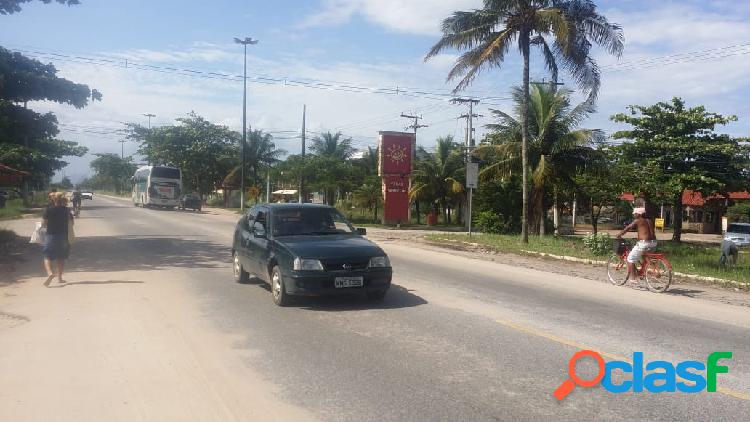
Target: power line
x=269, y=80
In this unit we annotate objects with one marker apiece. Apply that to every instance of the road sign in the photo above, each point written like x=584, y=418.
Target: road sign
x=472, y=175
x=659, y=223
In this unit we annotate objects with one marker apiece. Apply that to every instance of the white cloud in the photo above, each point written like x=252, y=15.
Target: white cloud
x=414, y=16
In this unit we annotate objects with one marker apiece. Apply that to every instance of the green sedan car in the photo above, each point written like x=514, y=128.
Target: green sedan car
x=307, y=250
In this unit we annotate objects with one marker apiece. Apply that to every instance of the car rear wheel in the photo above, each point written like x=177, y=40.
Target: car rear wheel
x=280, y=296
x=240, y=275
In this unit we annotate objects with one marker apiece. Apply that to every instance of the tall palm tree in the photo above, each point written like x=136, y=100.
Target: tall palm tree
x=260, y=154
x=563, y=31
x=332, y=145
x=435, y=174
x=556, y=143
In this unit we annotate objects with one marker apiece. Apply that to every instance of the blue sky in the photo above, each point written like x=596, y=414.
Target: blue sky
x=374, y=43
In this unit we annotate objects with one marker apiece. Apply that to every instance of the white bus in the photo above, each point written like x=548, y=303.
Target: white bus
x=158, y=186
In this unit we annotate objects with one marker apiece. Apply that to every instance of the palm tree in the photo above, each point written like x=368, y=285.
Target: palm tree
x=435, y=174
x=260, y=154
x=332, y=145
x=369, y=195
x=556, y=143
x=563, y=30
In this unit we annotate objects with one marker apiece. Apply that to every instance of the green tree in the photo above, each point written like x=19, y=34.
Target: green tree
x=111, y=170
x=28, y=140
x=332, y=145
x=370, y=195
x=8, y=7
x=599, y=183
x=563, y=31
x=204, y=151
x=436, y=175
x=556, y=143
x=675, y=148
x=260, y=154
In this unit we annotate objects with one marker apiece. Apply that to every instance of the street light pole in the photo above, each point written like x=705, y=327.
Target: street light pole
x=244, y=43
x=149, y=115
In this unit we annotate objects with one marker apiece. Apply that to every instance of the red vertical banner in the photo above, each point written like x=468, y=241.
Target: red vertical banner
x=395, y=160
x=395, y=199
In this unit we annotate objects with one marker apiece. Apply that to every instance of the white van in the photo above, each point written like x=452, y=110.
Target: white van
x=739, y=233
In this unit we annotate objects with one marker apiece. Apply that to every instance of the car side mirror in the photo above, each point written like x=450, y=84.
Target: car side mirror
x=361, y=231
x=259, y=233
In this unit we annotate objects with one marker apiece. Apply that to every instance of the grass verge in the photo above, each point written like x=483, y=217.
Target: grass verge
x=688, y=258
x=14, y=208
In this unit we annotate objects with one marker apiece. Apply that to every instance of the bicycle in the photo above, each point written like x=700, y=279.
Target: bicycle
x=655, y=268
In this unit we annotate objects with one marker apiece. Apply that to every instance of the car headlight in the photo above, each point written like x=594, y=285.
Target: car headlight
x=301, y=264
x=379, y=262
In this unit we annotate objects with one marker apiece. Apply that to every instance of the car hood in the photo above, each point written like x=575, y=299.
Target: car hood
x=330, y=246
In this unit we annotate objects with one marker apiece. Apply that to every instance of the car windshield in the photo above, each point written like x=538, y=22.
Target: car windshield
x=738, y=228
x=309, y=221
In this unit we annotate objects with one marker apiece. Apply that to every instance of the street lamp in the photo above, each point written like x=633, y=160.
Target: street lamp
x=149, y=115
x=244, y=43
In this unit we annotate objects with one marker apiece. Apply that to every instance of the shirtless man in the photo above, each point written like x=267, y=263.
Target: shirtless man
x=646, y=238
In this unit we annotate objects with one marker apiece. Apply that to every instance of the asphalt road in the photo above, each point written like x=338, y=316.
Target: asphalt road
x=456, y=339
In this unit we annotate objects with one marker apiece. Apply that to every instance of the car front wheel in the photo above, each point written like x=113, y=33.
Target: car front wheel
x=280, y=296
x=240, y=275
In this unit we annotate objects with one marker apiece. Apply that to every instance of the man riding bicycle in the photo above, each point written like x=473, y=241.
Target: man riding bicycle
x=77, y=198
x=646, y=238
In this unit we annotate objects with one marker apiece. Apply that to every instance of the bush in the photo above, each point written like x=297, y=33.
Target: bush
x=598, y=244
x=489, y=222
x=739, y=213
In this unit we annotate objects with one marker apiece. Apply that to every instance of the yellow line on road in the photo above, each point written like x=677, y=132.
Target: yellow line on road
x=561, y=340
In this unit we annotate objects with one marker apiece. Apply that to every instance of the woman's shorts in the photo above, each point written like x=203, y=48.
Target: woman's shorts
x=56, y=246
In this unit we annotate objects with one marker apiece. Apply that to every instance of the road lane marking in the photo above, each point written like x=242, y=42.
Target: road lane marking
x=572, y=343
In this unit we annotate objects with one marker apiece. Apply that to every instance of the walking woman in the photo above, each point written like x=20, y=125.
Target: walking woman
x=56, y=219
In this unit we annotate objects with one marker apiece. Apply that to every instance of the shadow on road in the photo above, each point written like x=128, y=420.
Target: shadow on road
x=141, y=252
x=397, y=297
x=121, y=253
x=76, y=283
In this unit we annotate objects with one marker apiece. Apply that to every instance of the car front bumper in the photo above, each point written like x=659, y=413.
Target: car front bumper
x=321, y=283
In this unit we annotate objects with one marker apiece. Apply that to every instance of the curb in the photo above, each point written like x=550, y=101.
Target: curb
x=714, y=280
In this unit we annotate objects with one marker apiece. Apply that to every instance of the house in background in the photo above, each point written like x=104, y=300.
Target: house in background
x=699, y=214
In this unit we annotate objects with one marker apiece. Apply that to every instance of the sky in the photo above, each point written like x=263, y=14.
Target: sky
x=697, y=50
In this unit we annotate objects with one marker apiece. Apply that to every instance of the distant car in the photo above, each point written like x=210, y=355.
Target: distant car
x=192, y=202
x=308, y=250
x=739, y=233
x=87, y=195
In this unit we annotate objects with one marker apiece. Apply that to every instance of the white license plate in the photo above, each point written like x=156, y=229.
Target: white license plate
x=344, y=282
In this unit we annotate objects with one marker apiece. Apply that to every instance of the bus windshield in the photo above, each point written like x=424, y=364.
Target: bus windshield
x=165, y=172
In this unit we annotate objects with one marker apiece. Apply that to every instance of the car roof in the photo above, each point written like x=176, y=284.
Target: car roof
x=294, y=205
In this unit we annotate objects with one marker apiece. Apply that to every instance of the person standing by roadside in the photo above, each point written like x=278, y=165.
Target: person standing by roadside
x=56, y=219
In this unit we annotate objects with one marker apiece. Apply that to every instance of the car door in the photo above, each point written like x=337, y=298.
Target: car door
x=244, y=235
x=259, y=247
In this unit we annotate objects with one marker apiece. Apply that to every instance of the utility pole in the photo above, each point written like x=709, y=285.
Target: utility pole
x=416, y=126
x=469, y=149
x=244, y=43
x=122, y=148
x=301, y=194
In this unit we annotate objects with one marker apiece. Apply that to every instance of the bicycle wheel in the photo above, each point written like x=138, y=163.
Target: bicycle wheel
x=658, y=275
x=617, y=270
